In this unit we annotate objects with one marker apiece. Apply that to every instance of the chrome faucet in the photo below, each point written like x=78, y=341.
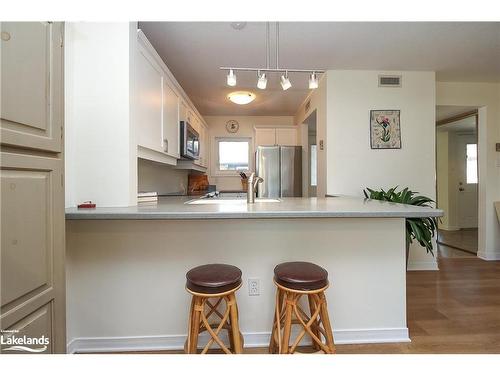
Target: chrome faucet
x=253, y=180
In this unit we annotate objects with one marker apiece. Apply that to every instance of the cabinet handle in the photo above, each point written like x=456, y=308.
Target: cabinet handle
x=165, y=142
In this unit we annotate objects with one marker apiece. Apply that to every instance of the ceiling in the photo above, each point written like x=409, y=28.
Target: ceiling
x=447, y=111
x=466, y=125
x=194, y=51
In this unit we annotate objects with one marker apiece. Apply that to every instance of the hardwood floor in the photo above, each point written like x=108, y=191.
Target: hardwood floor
x=455, y=310
x=464, y=239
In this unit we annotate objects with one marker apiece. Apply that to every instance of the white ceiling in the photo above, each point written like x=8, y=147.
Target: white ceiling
x=194, y=51
x=466, y=125
x=447, y=111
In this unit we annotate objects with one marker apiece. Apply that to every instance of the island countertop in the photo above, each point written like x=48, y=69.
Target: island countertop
x=176, y=208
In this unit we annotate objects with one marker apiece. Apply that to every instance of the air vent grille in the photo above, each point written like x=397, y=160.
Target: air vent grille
x=389, y=81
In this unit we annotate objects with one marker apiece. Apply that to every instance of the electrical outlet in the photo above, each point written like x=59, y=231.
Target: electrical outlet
x=253, y=287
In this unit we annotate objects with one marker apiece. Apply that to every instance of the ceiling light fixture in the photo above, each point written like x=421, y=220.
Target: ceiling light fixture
x=262, y=72
x=241, y=97
x=231, y=78
x=285, y=82
x=313, y=81
x=262, y=81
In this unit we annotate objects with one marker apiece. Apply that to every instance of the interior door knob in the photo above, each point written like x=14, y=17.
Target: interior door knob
x=461, y=189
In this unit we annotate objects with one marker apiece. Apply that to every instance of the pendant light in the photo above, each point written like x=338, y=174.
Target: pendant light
x=231, y=78
x=285, y=82
x=262, y=81
x=313, y=81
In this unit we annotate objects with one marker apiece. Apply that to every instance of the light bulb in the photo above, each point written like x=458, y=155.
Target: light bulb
x=262, y=82
x=231, y=78
x=285, y=82
x=313, y=81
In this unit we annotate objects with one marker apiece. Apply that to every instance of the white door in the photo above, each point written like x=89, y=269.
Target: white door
x=171, y=131
x=149, y=99
x=265, y=137
x=286, y=136
x=32, y=193
x=467, y=181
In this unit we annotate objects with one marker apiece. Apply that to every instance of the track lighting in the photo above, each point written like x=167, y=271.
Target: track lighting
x=285, y=82
x=231, y=78
x=262, y=81
x=313, y=81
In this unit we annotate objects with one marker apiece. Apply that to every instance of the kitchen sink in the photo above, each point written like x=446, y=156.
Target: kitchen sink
x=230, y=201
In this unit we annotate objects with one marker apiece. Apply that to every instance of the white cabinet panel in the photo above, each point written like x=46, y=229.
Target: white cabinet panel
x=31, y=91
x=286, y=136
x=171, y=130
x=149, y=99
x=265, y=137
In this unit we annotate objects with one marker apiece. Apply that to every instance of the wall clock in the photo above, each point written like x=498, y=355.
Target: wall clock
x=232, y=126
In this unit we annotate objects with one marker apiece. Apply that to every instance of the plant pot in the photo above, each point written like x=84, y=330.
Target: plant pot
x=407, y=253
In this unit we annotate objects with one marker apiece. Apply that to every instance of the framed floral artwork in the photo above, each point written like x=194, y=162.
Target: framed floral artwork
x=385, y=129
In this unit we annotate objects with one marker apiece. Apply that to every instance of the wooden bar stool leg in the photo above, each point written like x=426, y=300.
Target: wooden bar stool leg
x=326, y=323
x=314, y=326
x=235, y=328
x=276, y=328
x=194, y=324
x=287, y=327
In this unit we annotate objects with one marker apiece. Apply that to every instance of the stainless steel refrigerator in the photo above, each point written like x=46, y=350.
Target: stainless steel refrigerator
x=281, y=169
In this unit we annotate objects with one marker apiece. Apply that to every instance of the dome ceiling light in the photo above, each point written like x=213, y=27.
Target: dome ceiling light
x=241, y=97
x=261, y=72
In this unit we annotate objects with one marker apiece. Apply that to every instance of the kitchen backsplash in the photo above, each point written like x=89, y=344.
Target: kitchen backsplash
x=161, y=178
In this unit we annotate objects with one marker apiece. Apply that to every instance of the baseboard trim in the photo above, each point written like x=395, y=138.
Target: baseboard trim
x=495, y=255
x=423, y=265
x=252, y=340
x=449, y=228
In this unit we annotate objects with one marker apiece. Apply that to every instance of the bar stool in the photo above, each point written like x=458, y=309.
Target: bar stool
x=209, y=285
x=293, y=281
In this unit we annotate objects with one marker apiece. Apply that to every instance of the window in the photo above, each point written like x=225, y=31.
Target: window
x=233, y=154
x=471, y=166
x=313, y=165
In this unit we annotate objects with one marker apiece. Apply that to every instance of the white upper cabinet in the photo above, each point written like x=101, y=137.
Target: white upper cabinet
x=265, y=137
x=31, y=107
x=149, y=101
x=162, y=105
x=286, y=136
x=171, y=130
x=282, y=136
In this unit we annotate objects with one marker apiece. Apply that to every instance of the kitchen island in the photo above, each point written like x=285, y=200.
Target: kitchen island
x=126, y=266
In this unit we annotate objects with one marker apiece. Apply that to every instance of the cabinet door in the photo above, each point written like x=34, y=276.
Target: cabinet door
x=265, y=137
x=31, y=106
x=32, y=247
x=171, y=128
x=286, y=136
x=149, y=101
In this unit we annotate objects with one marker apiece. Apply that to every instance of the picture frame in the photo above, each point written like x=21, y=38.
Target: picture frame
x=385, y=129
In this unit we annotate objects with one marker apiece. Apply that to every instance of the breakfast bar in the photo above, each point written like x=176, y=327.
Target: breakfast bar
x=126, y=266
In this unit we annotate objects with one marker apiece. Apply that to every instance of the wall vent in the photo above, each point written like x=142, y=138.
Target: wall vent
x=307, y=106
x=389, y=81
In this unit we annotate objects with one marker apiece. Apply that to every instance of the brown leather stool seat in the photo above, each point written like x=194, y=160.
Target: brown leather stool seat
x=213, y=278
x=301, y=276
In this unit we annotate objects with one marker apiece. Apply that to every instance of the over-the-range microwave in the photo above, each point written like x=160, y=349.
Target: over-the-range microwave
x=190, y=141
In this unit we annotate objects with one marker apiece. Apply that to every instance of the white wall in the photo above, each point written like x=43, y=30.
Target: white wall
x=443, y=171
x=352, y=165
x=126, y=278
x=164, y=179
x=317, y=102
x=217, y=128
x=487, y=97
x=100, y=140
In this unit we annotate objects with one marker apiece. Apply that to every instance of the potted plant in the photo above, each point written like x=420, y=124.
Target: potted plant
x=422, y=229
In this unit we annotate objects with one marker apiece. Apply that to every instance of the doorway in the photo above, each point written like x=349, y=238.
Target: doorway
x=310, y=160
x=457, y=179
